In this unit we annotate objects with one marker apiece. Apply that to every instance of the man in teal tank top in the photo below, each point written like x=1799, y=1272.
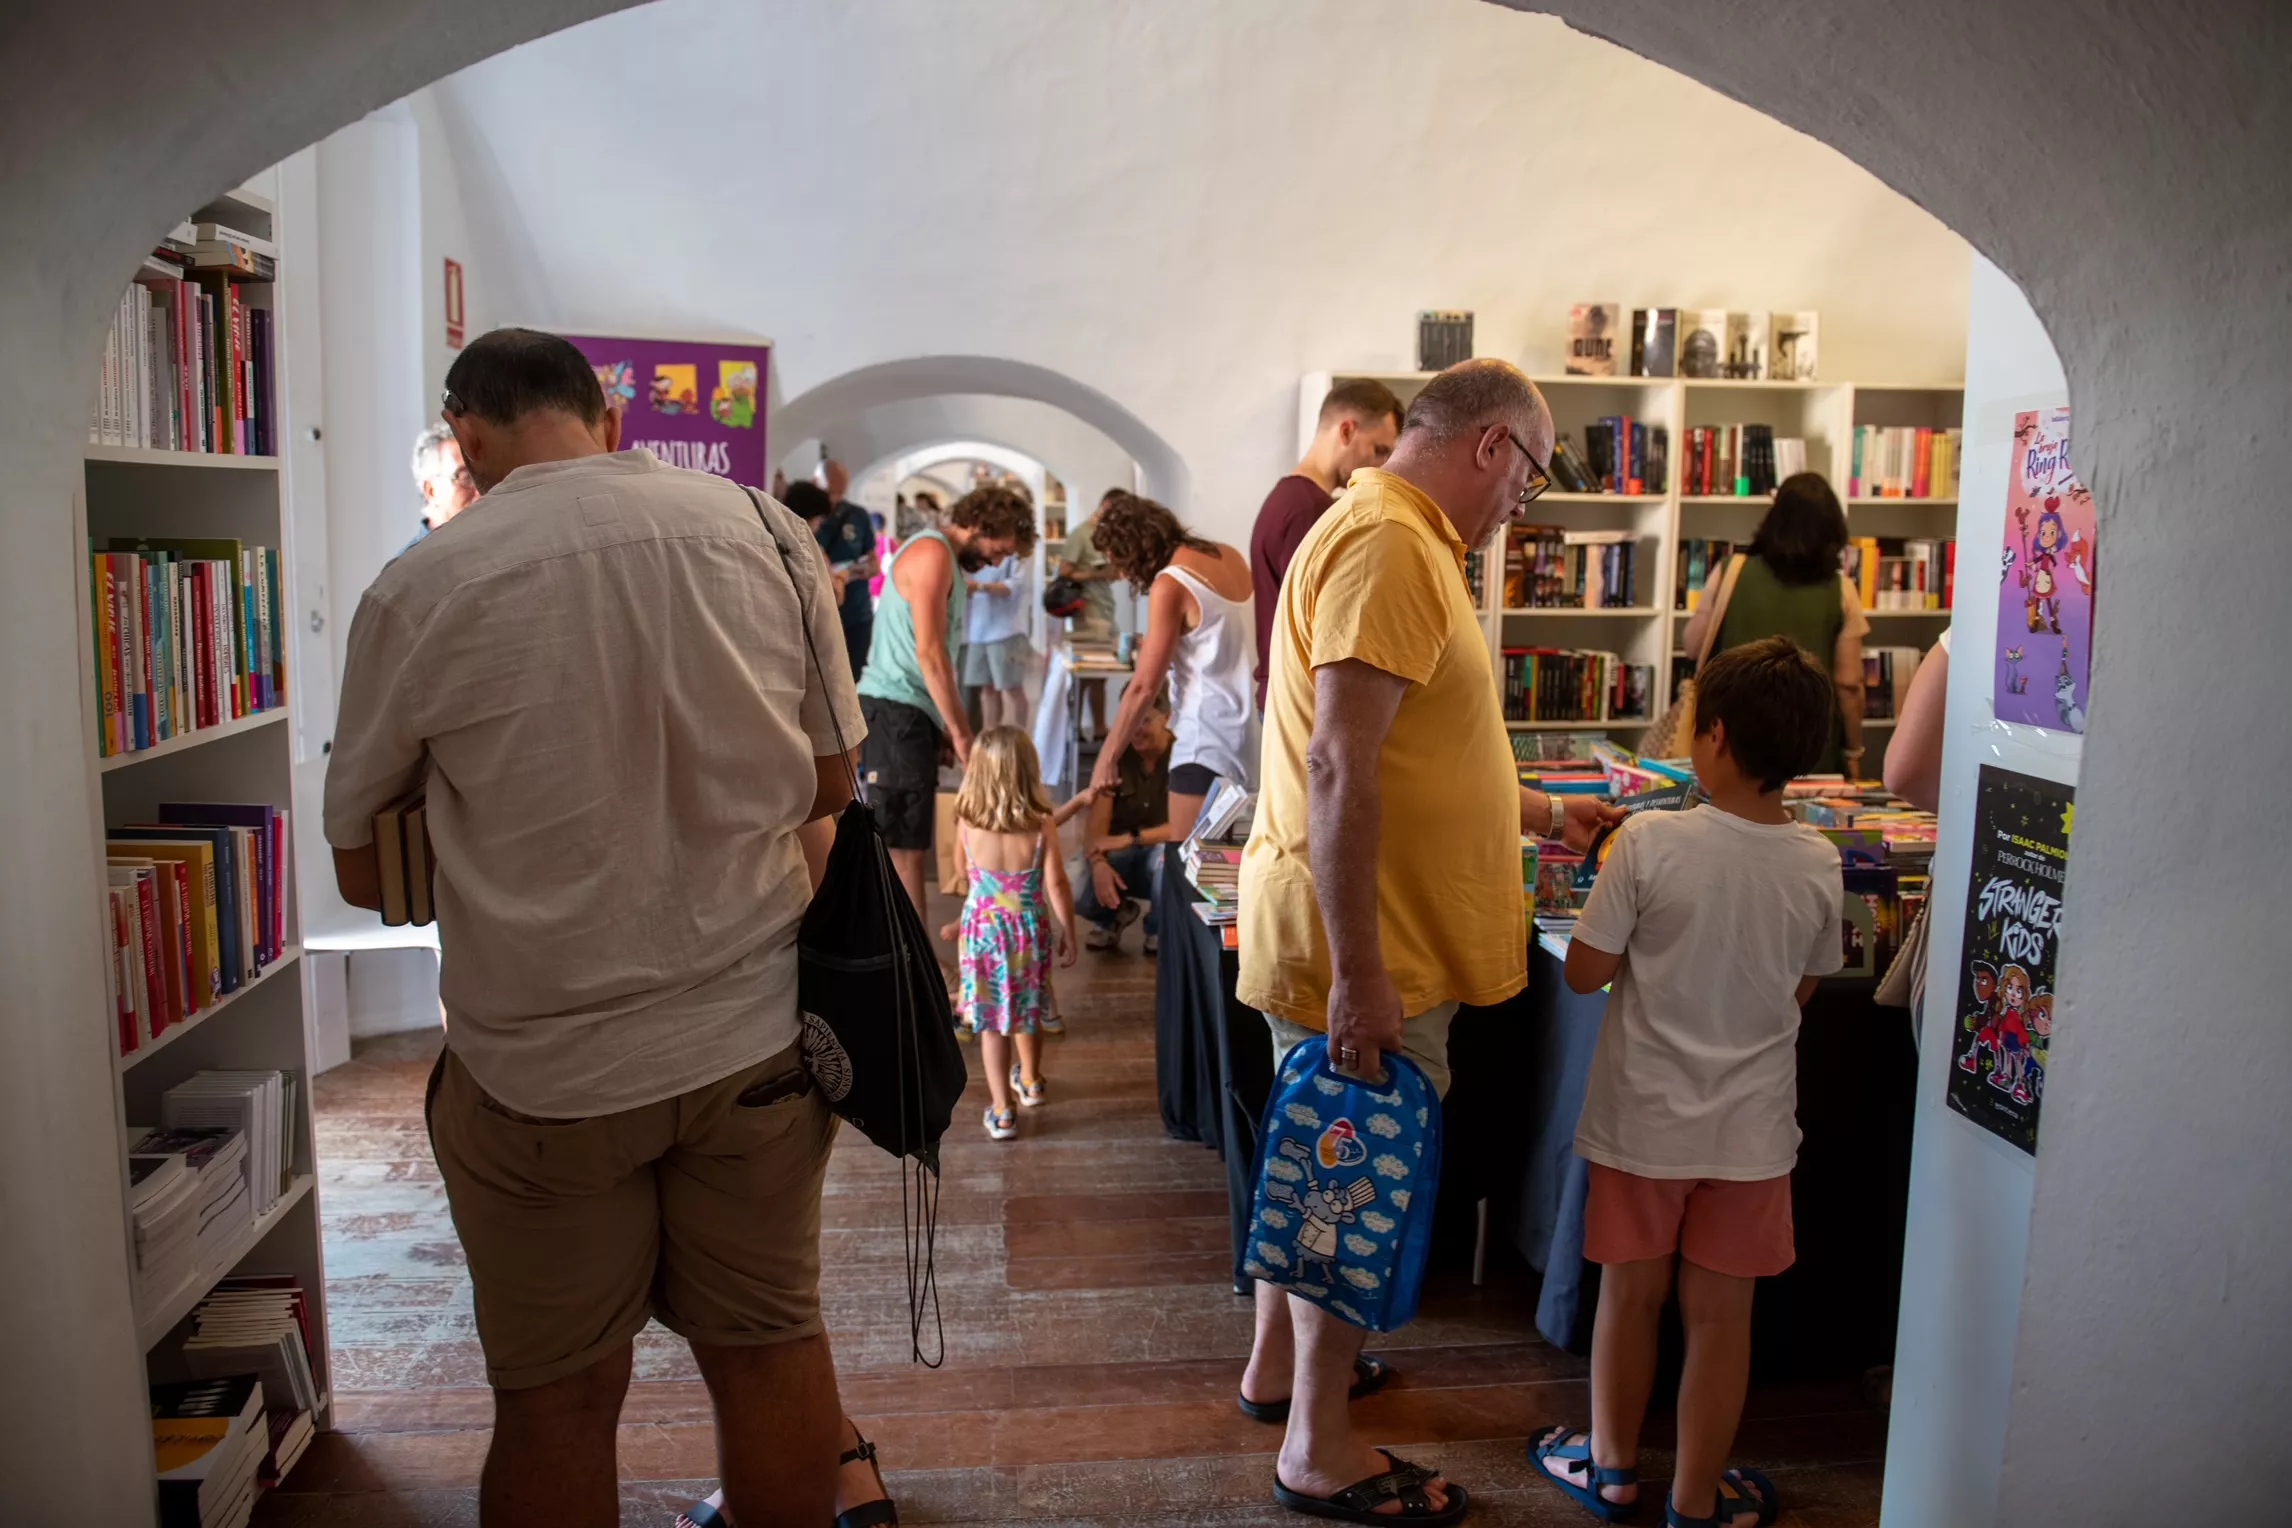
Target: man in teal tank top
x=908, y=691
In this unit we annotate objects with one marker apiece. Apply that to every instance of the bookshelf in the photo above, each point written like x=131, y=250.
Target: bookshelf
x=131, y=492
x=1822, y=413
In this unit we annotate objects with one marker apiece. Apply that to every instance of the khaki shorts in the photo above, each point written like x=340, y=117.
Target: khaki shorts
x=700, y=1210
x=1424, y=1040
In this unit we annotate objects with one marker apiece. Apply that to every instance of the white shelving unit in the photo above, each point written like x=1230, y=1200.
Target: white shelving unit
x=1824, y=414
x=125, y=491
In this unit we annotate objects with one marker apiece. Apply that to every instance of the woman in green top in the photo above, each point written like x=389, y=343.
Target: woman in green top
x=1792, y=586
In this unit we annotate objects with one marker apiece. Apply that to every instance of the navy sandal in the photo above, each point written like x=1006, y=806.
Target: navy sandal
x=1764, y=1502
x=871, y=1514
x=1369, y=1376
x=1358, y=1502
x=1583, y=1478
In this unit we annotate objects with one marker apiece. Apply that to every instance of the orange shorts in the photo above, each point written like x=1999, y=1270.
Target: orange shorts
x=1739, y=1229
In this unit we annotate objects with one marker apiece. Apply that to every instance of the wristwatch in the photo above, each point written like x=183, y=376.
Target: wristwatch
x=1559, y=814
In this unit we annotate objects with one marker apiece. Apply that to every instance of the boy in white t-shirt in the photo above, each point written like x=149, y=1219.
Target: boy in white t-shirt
x=1714, y=925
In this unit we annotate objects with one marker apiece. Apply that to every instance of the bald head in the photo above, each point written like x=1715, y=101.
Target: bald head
x=1472, y=395
x=1468, y=440
x=835, y=480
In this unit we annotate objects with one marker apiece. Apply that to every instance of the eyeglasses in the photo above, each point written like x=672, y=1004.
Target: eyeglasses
x=1539, y=478
x=448, y=403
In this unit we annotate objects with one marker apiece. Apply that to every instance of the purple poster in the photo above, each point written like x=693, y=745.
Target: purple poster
x=2045, y=581
x=692, y=404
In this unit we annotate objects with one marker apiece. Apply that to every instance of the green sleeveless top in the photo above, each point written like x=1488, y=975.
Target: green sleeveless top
x=892, y=670
x=1809, y=614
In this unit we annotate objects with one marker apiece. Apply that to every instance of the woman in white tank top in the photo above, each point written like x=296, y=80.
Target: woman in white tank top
x=1200, y=633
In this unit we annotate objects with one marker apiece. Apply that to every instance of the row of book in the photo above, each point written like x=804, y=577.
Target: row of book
x=1550, y=684
x=1886, y=676
x=198, y=902
x=219, y=1442
x=1692, y=342
x=1902, y=462
x=259, y=1105
x=1211, y=856
x=1743, y=461
x=1549, y=568
x=189, y=633
x=1699, y=557
x=1620, y=455
x=190, y=362
x=1893, y=573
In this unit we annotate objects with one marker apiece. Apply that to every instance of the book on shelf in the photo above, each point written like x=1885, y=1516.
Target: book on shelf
x=1227, y=815
x=1746, y=358
x=1627, y=455
x=164, y=1204
x=1538, y=749
x=1886, y=676
x=259, y=1105
x=1571, y=470
x=215, y=1162
x=1548, y=567
x=1738, y=460
x=1904, y=462
x=1698, y=558
x=1539, y=684
x=1593, y=329
x=1794, y=341
x=189, y=361
x=1702, y=342
x=1903, y=573
x=258, y=1324
x=189, y=633
x=1654, y=342
x=209, y=1438
x=404, y=867
x=1444, y=337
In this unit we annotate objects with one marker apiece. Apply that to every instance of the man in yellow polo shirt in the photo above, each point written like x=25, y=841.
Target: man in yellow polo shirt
x=1381, y=885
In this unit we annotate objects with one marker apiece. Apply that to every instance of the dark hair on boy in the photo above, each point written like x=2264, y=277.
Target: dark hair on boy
x=1777, y=703
x=1139, y=537
x=506, y=374
x=1804, y=531
x=808, y=500
x=998, y=512
x=1362, y=398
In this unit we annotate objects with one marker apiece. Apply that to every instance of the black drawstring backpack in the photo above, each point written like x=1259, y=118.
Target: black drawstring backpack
x=879, y=1034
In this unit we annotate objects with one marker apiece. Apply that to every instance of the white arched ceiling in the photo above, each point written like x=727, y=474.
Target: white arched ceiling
x=2124, y=164
x=1085, y=459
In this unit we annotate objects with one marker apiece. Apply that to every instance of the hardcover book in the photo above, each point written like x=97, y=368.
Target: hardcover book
x=1702, y=342
x=1792, y=338
x=1593, y=329
x=1654, y=342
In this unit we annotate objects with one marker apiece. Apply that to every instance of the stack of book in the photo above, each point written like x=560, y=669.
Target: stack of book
x=210, y=1438
x=198, y=905
x=261, y=1324
x=1620, y=455
x=1901, y=462
x=216, y=1162
x=189, y=634
x=1699, y=558
x=189, y=363
x=1558, y=750
x=261, y=1105
x=1547, y=684
x=1546, y=567
x=1903, y=574
x=163, y=1205
x=1740, y=460
x=1211, y=856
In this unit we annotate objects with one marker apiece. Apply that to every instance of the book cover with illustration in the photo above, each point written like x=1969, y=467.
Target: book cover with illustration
x=1593, y=330
x=1746, y=359
x=1793, y=339
x=2007, y=965
x=1654, y=342
x=694, y=404
x=1702, y=342
x=2045, y=581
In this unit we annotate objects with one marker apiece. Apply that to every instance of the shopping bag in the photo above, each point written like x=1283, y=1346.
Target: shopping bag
x=1347, y=1174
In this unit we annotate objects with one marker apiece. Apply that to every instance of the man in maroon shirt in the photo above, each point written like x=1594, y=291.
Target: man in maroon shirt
x=1360, y=419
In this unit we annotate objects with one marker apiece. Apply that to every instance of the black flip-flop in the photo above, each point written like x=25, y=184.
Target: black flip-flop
x=1358, y=1502
x=1369, y=1376
x=873, y=1514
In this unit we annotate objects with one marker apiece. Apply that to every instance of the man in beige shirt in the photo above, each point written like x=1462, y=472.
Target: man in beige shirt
x=604, y=686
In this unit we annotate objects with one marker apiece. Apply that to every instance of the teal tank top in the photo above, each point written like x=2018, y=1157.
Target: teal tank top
x=892, y=671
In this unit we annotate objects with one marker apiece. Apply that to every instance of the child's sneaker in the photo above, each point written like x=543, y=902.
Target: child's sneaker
x=1051, y=1024
x=1001, y=1127
x=1030, y=1094
x=1153, y=944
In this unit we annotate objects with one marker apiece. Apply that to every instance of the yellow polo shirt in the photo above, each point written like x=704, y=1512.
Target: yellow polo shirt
x=1380, y=578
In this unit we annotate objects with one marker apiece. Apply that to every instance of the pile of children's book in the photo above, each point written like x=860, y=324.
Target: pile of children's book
x=1211, y=855
x=198, y=900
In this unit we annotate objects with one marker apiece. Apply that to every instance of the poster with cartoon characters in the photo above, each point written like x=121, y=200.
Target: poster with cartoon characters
x=692, y=404
x=2045, y=580
x=2007, y=972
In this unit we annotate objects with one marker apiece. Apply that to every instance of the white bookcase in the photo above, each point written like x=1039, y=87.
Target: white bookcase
x=1824, y=414
x=127, y=491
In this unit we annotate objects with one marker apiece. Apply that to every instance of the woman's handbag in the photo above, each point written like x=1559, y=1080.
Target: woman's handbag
x=1667, y=736
x=1347, y=1175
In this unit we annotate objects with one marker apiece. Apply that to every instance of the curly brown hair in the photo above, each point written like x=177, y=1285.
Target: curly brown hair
x=998, y=512
x=1138, y=537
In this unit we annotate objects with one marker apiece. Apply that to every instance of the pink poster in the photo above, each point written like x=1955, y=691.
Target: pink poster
x=2045, y=593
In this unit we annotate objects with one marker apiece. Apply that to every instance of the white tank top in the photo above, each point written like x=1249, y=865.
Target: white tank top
x=1212, y=715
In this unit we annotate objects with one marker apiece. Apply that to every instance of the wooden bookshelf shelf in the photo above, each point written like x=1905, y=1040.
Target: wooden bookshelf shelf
x=130, y=1061
x=140, y=456
x=151, y=1326
x=1622, y=612
x=190, y=740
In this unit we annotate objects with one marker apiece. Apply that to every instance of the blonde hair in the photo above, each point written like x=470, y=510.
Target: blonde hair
x=1003, y=787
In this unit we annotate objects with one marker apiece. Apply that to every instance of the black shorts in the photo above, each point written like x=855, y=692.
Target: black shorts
x=899, y=771
x=1192, y=779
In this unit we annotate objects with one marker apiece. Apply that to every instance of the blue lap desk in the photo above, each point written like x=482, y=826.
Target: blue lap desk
x=1347, y=1176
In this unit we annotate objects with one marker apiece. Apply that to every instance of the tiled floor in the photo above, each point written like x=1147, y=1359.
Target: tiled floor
x=1093, y=1342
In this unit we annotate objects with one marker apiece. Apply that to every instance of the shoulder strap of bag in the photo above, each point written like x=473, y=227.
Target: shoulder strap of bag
x=804, y=619
x=1719, y=610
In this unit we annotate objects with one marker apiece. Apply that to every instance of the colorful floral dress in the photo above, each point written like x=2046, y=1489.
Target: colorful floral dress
x=1007, y=948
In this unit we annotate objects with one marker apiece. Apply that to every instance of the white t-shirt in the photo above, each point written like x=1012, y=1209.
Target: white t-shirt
x=997, y=617
x=1717, y=918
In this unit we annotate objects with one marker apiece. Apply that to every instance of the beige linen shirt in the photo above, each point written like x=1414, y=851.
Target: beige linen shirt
x=600, y=669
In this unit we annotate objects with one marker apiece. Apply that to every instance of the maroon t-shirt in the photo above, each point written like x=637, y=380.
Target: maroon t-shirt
x=1282, y=521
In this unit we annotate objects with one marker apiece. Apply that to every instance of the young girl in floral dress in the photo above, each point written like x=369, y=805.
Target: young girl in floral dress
x=1020, y=914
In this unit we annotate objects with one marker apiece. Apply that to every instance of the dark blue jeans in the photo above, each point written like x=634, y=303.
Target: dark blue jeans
x=1141, y=873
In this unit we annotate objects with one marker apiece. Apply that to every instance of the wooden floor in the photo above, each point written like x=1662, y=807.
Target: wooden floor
x=1093, y=1340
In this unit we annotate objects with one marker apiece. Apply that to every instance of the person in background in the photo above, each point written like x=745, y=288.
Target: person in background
x=1381, y=884
x=1200, y=636
x=1360, y=420
x=908, y=690
x=1914, y=757
x=1128, y=826
x=847, y=535
x=780, y=484
x=1791, y=586
x=995, y=646
x=1080, y=559
x=884, y=547
x=445, y=484
x=1715, y=925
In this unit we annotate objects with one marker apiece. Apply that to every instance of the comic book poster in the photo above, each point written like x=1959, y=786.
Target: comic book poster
x=2006, y=970
x=692, y=404
x=2045, y=572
